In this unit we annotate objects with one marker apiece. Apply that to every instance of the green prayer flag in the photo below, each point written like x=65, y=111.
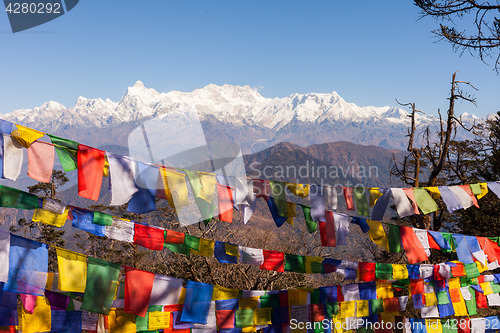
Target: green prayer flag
x=244, y=318
x=316, y=267
x=318, y=327
x=476, y=189
x=449, y=238
x=401, y=284
x=383, y=271
x=310, y=224
x=270, y=301
x=377, y=306
x=361, y=201
x=121, y=290
x=14, y=198
x=331, y=309
x=102, y=219
x=442, y=297
x=67, y=152
x=314, y=298
x=192, y=242
x=279, y=196
x=424, y=200
x=471, y=304
x=495, y=287
x=141, y=323
x=295, y=263
x=471, y=270
x=394, y=238
x=71, y=306
x=449, y=325
x=102, y=281
x=177, y=248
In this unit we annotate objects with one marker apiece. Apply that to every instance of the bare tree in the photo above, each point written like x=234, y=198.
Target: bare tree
x=468, y=25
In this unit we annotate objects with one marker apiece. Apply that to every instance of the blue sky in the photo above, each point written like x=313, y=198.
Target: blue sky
x=370, y=52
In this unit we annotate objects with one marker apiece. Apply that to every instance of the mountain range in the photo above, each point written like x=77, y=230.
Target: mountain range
x=237, y=114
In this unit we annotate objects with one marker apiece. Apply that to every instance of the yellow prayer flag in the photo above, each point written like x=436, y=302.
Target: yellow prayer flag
x=484, y=190
x=433, y=191
x=26, y=136
x=158, y=320
x=337, y=324
x=182, y=296
x=300, y=190
x=208, y=181
x=262, y=316
x=430, y=299
x=399, y=272
x=362, y=308
x=384, y=289
x=388, y=317
x=481, y=267
x=486, y=286
x=290, y=212
x=232, y=250
x=40, y=320
x=50, y=281
x=460, y=307
x=249, y=302
x=206, y=248
x=72, y=270
x=50, y=218
x=105, y=170
x=174, y=185
x=297, y=297
x=374, y=195
x=454, y=283
x=249, y=329
x=378, y=235
x=433, y=326
x=310, y=261
x=224, y=293
x=347, y=309
x=121, y=322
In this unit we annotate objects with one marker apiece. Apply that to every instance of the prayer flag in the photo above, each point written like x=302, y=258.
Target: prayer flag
x=41, y=161
x=90, y=168
x=138, y=287
x=101, y=284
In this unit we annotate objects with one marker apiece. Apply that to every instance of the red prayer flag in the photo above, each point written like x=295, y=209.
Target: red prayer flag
x=455, y=295
x=459, y=270
x=467, y=189
x=317, y=312
x=327, y=230
x=273, y=261
x=348, y=198
x=340, y=296
x=481, y=300
x=463, y=325
x=414, y=249
x=149, y=237
x=174, y=237
x=225, y=203
x=138, y=286
x=432, y=242
x=225, y=318
x=41, y=161
x=90, y=169
x=391, y=305
x=366, y=271
x=261, y=188
x=490, y=248
x=417, y=287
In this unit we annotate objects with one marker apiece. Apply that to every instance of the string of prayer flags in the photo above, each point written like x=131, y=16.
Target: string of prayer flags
x=41, y=161
x=90, y=163
x=101, y=285
x=28, y=265
x=72, y=271
x=138, y=287
x=122, y=178
x=12, y=158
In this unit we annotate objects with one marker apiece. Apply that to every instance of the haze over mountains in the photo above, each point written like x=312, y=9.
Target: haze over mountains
x=237, y=114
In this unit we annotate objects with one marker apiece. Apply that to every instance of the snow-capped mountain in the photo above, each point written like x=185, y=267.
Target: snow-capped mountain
x=236, y=113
